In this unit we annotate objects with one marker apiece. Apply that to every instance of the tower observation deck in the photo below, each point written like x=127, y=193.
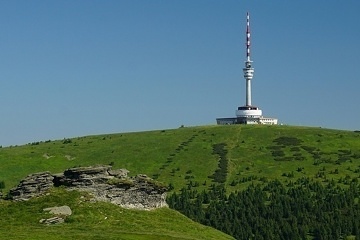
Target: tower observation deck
x=248, y=114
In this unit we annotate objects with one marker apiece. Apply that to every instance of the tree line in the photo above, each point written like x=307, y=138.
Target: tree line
x=273, y=211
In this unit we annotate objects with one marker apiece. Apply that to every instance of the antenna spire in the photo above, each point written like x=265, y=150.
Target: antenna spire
x=247, y=36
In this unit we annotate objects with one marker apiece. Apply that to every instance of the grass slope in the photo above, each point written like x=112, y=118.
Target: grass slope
x=186, y=155
x=236, y=155
x=20, y=220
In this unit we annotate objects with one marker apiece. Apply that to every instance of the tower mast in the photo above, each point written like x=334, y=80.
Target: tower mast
x=248, y=70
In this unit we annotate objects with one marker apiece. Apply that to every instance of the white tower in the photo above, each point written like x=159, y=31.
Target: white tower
x=248, y=70
x=248, y=113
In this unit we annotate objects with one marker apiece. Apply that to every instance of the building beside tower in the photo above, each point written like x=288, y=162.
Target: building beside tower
x=248, y=114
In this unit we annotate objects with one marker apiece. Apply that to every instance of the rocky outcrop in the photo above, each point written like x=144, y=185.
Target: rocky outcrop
x=139, y=192
x=32, y=186
x=105, y=184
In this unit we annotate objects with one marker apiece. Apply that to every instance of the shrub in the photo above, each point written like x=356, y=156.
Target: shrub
x=308, y=149
x=288, y=141
x=67, y=141
x=170, y=186
x=278, y=153
x=294, y=149
x=219, y=175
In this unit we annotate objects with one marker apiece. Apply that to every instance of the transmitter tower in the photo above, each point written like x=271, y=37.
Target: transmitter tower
x=248, y=114
x=248, y=70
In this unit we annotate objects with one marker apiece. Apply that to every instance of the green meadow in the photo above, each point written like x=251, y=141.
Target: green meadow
x=186, y=155
x=89, y=220
x=235, y=156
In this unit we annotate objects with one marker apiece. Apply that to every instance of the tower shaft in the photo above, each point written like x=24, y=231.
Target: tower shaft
x=248, y=92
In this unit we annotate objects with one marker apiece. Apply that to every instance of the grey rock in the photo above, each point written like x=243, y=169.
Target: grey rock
x=63, y=210
x=33, y=185
x=53, y=220
x=119, y=173
x=76, y=172
x=83, y=176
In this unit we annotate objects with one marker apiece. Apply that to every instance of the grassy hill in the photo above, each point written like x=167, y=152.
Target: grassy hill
x=20, y=220
x=235, y=154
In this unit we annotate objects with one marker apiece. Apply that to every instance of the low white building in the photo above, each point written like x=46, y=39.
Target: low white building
x=247, y=120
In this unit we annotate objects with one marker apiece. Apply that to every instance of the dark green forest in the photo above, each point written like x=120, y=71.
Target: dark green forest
x=304, y=209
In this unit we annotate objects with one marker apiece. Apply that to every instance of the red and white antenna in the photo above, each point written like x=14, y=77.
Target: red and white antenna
x=248, y=70
x=247, y=36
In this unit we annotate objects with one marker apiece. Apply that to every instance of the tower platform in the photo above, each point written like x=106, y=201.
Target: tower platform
x=247, y=120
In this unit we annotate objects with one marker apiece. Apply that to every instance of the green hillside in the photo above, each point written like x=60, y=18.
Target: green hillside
x=222, y=176
x=20, y=220
x=184, y=155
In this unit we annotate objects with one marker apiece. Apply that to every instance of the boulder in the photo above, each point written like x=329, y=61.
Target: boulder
x=61, y=213
x=63, y=210
x=53, y=220
x=119, y=173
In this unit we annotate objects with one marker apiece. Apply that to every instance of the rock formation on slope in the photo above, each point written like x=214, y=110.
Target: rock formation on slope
x=32, y=186
x=105, y=184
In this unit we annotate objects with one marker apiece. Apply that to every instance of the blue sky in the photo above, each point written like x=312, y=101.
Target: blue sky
x=73, y=68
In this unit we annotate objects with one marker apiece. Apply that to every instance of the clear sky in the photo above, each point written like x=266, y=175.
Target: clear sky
x=79, y=67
